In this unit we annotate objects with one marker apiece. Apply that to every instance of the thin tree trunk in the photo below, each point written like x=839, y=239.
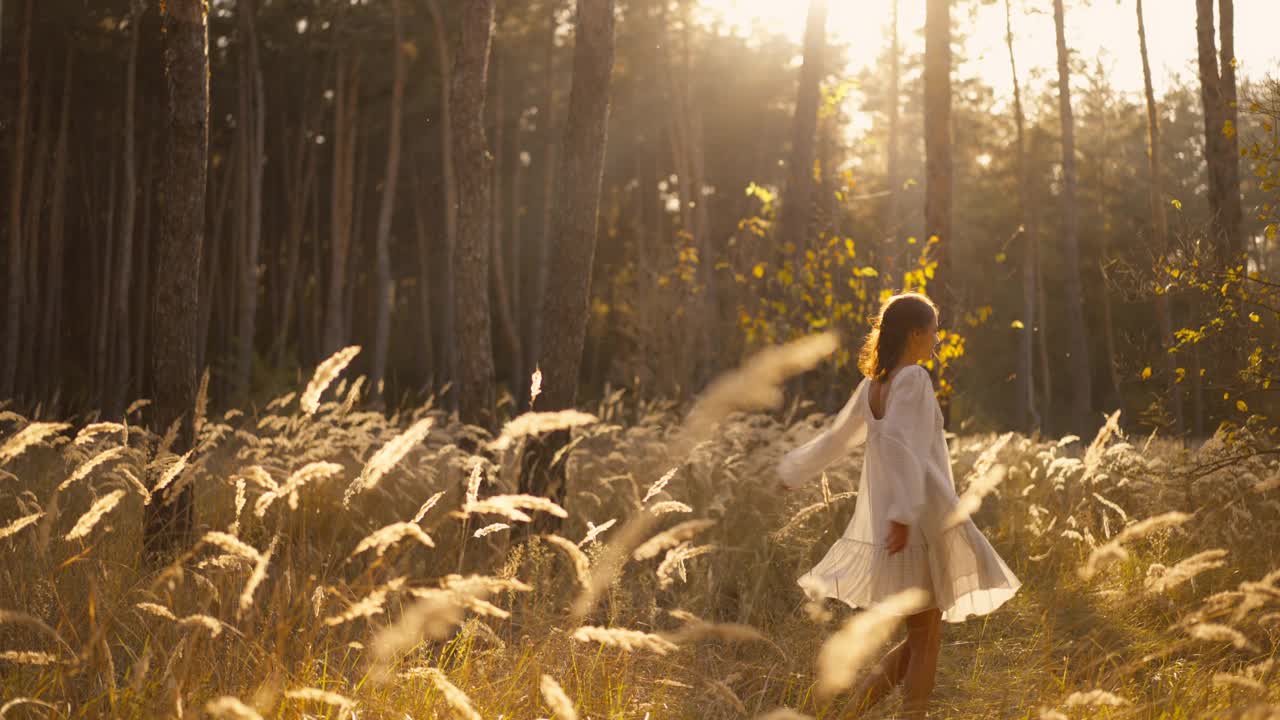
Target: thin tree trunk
x=472, y=166
x=542, y=265
x=145, y=275
x=384, y=288
x=446, y=361
x=938, y=154
x=118, y=382
x=254, y=119
x=27, y=371
x=174, y=306
x=16, y=296
x=344, y=147
x=501, y=293
x=1077, y=336
x=890, y=261
x=1160, y=225
x=424, y=277
x=1215, y=118
x=577, y=213
x=102, y=356
x=1028, y=418
x=50, y=356
x=1232, y=210
x=797, y=210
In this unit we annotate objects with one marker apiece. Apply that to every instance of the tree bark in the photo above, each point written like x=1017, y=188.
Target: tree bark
x=168, y=519
x=385, y=287
x=938, y=157
x=1028, y=417
x=344, y=147
x=1159, y=225
x=445, y=360
x=797, y=211
x=581, y=172
x=118, y=383
x=1221, y=157
x=1077, y=336
x=1232, y=209
x=498, y=266
x=253, y=116
x=16, y=299
x=542, y=264
x=890, y=260
x=50, y=356
x=472, y=166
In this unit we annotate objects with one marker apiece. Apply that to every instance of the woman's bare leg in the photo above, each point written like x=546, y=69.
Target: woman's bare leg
x=889, y=672
x=924, y=638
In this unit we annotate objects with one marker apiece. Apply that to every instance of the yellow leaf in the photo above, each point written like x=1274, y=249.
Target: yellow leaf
x=1241, y=406
x=1146, y=372
x=758, y=270
x=1254, y=317
x=1177, y=204
x=1001, y=257
x=1016, y=325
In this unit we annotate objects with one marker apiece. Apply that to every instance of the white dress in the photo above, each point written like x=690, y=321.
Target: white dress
x=906, y=477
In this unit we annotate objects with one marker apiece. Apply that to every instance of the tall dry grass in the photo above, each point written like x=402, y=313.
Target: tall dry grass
x=348, y=564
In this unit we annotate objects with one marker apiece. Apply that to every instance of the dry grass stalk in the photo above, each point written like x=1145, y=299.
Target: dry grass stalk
x=1214, y=632
x=1113, y=551
x=29, y=657
x=88, y=466
x=21, y=618
x=457, y=700
x=669, y=506
x=512, y=506
x=321, y=696
x=980, y=486
x=309, y=473
x=229, y=708
x=159, y=611
x=673, y=563
x=241, y=497
x=28, y=437
x=231, y=544
x=88, y=432
x=489, y=529
x=387, y=457
x=86, y=523
x=628, y=640
x=170, y=474
x=202, y=404
x=473, y=480
x=136, y=484
x=757, y=385
x=433, y=616
x=535, y=385
x=594, y=531
x=783, y=714
x=556, y=699
x=1094, y=697
x=806, y=512
x=1229, y=680
x=258, y=475
x=16, y=526
x=324, y=375
x=538, y=423
x=255, y=579
x=367, y=606
x=846, y=651
x=1165, y=579
x=581, y=565
x=660, y=484
x=671, y=538
x=381, y=540
x=426, y=507
x=721, y=688
x=610, y=562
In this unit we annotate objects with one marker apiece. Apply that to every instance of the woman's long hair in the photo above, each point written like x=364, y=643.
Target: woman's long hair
x=899, y=315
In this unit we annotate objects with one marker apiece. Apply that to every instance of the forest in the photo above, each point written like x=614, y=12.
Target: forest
x=429, y=358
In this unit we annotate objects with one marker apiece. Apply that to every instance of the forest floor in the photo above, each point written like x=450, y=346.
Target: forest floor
x=355, y=565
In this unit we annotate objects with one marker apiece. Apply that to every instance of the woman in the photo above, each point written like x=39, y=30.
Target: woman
x=898, y=538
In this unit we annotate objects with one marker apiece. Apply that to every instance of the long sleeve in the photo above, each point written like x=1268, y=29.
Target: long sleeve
x=904, y=449
x=847, y=431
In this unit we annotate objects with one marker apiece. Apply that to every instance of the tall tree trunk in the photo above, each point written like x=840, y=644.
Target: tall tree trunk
x=344, y=148
x=938, y=157
x=385, y=286
x=890, y=261
x=27, y=371
x=118, y=385
x=446, y=360
x=542, y=265
x=1159, y=225
x=1077, y=336
x=50, y=356
x=798, y=207
x=1232, y=210
x=1028, y=417
x=1223, y=170
x=16, y=296
x=168, y=519
x=472, y=166
x=577, y=211
x=423, y=287
x=498, y=276
x=253, y=116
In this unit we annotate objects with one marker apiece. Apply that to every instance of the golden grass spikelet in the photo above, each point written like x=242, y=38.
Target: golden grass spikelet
x=980, y=486
x=229, y=708
x=850, y=647
x=473, y=481
x=255, y=579
x=757, y=385
x=669, y=506
x=1229, y=680
x=783, y=713
x=136, y=484
x=309, y=473
x=1051, y=714
x=535, y=385
x=426, y=507
x=721, y=688
x=660, y=484
x=93, y=463
x=324, y=375
x=511, y=507
x=1186, y=569
x=202, y=621
x=231, y=544
x=1113, y=551
x=490, y=529
x=611, y=561
x=258, y=475
x=806, y=512
x=1094, y=697
x=673, y=563
x=170, y=474
x=29, y=657
x=157, y=610
x=381, y=540
x=556, y=698
x=387, y=457
x=368, y=606
x=321, y=696
x=628, y=640
x=16, y=526
x=538, y=423
x=581, y=565
x=87, y=433
x=594, y=531
x=1215, y=632
x=671, y=538
x=483, y=584
x=201, y=409
x=28, y=437
x=86, y=523
x=457, y=700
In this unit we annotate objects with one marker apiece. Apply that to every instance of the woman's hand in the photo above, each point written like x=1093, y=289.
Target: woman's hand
x=897, y=539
